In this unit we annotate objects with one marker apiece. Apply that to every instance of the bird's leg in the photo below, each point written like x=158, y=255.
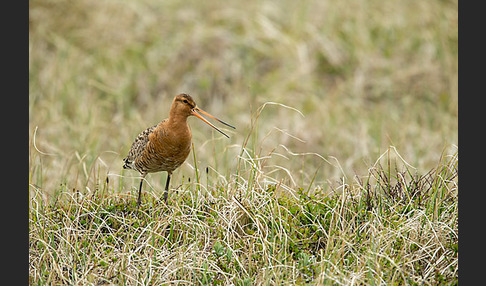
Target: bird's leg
x=166, y=192
x=139, y=201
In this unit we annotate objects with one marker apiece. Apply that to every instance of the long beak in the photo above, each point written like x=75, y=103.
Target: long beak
x=195, y=113
x=207, y=114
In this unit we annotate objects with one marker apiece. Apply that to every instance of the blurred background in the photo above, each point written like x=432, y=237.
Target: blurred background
x=317, y=90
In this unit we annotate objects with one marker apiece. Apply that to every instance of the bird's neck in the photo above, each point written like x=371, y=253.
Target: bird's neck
x=177, y=121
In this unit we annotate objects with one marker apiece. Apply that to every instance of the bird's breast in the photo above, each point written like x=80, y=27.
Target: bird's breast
x=168, y=149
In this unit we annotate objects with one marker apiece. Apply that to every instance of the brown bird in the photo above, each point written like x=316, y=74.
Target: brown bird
x=165, y=146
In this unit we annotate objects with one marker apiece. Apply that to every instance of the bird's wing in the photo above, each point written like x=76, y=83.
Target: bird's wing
x=137, y=147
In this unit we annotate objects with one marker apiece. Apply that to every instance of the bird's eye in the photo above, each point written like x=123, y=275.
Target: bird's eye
x=185, y=101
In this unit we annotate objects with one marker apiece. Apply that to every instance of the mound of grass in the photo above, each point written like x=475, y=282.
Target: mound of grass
x=391, y=226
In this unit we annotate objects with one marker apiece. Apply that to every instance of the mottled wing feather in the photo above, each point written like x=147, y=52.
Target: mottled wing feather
x=137, y=148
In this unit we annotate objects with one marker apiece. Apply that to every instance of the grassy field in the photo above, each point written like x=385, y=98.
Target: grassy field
x=342, y=168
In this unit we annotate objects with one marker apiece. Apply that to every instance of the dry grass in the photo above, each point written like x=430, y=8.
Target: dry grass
x=333, y=106
x=391, y=227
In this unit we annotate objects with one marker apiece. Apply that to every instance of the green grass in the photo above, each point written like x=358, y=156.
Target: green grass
x=342, y=169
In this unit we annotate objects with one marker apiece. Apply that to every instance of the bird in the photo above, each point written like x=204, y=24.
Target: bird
x=166, y=145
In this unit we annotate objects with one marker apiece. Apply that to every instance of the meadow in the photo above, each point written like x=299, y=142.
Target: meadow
x=342, y=169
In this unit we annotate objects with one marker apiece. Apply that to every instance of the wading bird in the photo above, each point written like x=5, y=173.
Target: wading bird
x=165, y=146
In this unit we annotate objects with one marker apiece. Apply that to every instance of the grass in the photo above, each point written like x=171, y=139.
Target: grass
x=342, y=169
x=392, y=226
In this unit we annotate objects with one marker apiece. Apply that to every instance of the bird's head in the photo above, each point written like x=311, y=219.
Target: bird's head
x=184, y=105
